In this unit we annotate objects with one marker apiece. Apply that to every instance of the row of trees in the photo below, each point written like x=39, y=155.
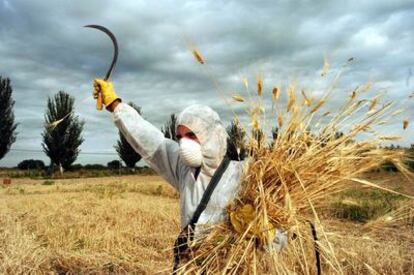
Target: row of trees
x=36, y=164
x=62, y=134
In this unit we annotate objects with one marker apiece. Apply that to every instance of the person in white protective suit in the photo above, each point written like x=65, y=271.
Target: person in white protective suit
x=187, y=165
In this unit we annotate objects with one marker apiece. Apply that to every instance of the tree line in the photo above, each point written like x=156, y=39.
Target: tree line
x=62, y=133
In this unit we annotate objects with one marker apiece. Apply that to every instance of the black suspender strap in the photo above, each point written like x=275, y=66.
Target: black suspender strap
x=181, y=243
x=209, y=191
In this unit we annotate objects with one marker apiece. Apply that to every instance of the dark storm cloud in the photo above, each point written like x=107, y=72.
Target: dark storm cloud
x=44, y=49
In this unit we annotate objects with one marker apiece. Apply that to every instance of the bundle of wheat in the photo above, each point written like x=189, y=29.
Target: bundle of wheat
x=313, y=156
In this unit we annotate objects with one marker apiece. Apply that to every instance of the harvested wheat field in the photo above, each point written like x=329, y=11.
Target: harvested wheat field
x=129, y=224
x=88, y=226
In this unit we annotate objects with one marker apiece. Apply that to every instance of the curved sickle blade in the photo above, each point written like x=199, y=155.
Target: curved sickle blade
x=113, y=38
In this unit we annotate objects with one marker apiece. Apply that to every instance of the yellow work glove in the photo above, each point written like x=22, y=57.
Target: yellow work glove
x=245, y=219
x=104, y=93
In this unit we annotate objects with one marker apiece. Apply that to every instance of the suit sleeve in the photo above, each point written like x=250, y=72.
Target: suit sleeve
x=160, y=153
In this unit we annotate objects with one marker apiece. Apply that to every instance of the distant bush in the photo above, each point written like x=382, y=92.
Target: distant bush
x=76, y=167
x=94, y=167
x=76, y=171
x=115, y=164
x=389, y=167
x=361, y=206
x=31, y=164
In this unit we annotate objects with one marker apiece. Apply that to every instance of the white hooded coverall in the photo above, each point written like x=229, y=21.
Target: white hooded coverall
x=162, y=155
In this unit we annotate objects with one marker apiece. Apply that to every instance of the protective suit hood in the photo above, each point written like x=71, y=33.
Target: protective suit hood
x=207, y=126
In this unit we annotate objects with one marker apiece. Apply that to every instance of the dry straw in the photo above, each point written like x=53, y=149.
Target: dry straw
x=288, y=179
x=197, y=55
x=326, y=66
x=259, y=85
x=275, y=93
x=54, y=124
x=307, y=101
x=405, y=124
x=238, y=98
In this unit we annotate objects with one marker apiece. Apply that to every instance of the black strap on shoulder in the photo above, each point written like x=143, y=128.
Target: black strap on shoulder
x=187, y=233
x=209, y=191
x=231, y=154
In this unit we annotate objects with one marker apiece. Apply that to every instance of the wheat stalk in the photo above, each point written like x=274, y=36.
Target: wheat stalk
x=197, y=55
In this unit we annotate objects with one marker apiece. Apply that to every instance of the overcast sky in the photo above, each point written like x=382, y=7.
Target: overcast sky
x=44, y=49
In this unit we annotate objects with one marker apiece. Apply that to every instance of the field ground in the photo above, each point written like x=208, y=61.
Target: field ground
x=128, y=225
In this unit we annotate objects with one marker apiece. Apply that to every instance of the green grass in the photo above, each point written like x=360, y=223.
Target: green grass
x=80, y=173
x=364, y=205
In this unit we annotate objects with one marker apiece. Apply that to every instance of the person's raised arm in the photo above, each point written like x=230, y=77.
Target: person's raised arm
x=146, y=139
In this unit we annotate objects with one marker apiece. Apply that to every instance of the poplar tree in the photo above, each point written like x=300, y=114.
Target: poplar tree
x=62, y=134
x=237, y=136
x=124, y=150
x=7, y=125
x=169, y=128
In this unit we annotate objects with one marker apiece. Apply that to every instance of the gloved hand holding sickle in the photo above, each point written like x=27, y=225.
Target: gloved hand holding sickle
x=103, y=89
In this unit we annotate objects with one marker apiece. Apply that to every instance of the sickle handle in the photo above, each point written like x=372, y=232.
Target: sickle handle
x=99, y=102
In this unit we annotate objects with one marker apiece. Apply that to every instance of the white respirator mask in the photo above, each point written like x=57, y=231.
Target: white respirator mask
x=190, y=152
